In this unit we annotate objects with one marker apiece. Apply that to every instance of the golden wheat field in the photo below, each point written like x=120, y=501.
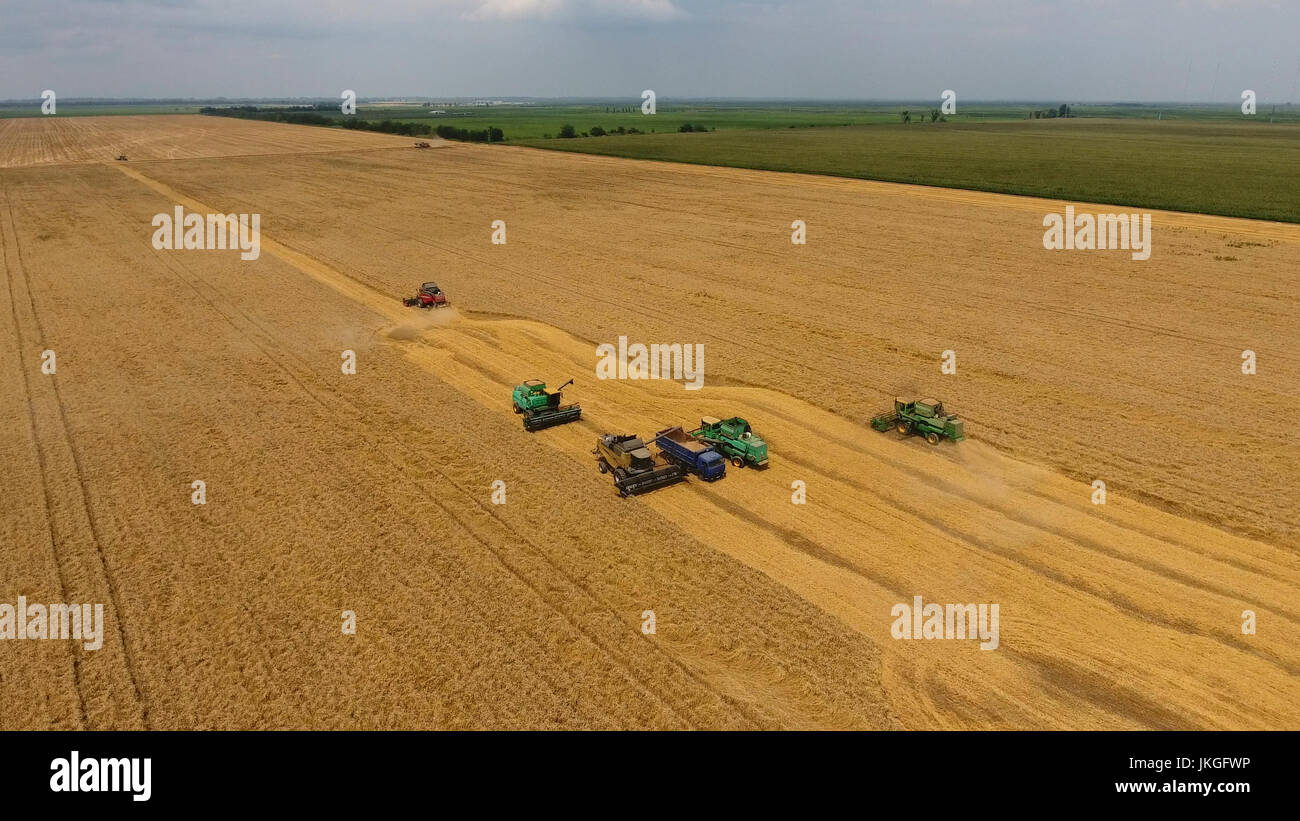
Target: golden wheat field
x=371, y=492
x=25, y=141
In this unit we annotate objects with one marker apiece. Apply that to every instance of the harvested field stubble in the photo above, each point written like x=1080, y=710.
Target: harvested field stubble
x=371, y=492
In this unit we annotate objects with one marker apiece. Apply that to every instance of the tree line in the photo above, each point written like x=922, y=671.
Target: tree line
x=297, y=116
x=567, y=131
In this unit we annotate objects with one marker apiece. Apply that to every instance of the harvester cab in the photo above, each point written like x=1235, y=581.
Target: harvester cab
x=540, y=407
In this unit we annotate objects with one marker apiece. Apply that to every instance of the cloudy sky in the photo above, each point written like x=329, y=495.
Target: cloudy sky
x=1068, y=50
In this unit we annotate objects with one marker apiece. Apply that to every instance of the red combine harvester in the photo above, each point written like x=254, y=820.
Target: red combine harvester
x=430, y=296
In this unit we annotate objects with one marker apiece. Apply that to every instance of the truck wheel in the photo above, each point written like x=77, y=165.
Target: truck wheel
x=602, y=467
x=932, y=438
x=737, y=462
x=901, y=427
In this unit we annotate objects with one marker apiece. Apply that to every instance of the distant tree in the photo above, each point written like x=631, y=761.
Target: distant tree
x=597, y=131
x=934, y=114
x=907, y=117
x=496, y=135
x=1064, y=110
x=566, y=131
x=686, y=128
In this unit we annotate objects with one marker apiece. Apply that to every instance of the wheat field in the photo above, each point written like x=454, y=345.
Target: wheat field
x=371, y=492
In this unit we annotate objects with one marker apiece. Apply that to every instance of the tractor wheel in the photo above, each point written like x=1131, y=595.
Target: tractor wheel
x=932, y=438
x=901, y=427
x=737, y=462
x=604, y=468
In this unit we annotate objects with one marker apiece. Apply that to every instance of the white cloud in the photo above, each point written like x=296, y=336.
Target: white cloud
x=511, y=10
x=515, y=9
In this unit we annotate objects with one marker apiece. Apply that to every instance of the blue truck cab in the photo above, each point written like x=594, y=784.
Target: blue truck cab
x=696, y=456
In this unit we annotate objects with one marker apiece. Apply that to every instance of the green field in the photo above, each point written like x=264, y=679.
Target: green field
x=1200, y=158
x=535, y=122
x=544, y=122
x=1246, y=169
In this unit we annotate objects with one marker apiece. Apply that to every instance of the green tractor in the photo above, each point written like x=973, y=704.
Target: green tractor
x=541, y=408
x=924, y=417
x=734, y=439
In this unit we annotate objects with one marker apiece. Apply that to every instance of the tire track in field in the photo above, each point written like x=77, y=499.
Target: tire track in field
x=79, y=502
x=6, y=241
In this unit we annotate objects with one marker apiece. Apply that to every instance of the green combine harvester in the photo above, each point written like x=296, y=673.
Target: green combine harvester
x=734, y=439
x=541, y=408
x=924, y=417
